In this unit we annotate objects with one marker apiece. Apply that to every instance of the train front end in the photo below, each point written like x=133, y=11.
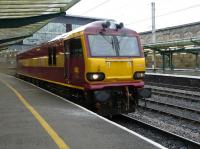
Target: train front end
x=114, y=68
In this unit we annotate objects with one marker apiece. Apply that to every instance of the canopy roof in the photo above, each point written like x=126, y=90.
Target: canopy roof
x=21, y=18
x=184, y=45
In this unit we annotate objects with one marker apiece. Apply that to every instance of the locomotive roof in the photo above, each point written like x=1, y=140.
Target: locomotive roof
x=79, y=29
x=96, y=24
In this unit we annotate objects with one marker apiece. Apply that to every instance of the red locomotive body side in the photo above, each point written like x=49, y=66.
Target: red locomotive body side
x=54, y=73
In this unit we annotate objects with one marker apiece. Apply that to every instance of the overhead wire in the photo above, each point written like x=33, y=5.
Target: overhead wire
x=146, y=19
x=95, y=7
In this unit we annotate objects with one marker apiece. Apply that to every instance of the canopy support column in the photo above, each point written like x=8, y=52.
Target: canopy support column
x=196, y=60
x=163, y=60
x=171, y=60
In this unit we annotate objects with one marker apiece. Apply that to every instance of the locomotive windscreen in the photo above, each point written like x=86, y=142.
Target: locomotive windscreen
x=105, y=45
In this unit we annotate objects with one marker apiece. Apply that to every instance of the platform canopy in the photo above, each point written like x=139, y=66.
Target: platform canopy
x=21, y=18
x=183, y=45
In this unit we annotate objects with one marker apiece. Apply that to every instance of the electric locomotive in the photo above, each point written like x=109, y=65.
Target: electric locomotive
x=103, y=61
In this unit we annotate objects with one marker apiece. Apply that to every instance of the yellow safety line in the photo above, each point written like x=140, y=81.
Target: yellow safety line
x=60, y=143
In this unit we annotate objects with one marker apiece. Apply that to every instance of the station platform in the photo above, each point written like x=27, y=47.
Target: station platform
x=31, y=118
x=193, y=73
x=181, y=78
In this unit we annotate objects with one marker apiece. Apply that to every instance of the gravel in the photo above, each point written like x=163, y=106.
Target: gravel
x=184, y=128
x=169, y=123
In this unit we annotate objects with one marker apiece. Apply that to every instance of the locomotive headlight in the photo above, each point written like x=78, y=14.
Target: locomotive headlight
x=138, y=75
x=95, y=76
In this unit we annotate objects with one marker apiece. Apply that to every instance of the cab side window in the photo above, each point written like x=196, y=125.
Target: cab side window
x=75, y=47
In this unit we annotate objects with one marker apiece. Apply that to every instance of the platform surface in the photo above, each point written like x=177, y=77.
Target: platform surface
x=184, y=73
x=75, y=126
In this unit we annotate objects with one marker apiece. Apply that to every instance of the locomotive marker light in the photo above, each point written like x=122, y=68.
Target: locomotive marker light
x=95, y=76
x=139, y=75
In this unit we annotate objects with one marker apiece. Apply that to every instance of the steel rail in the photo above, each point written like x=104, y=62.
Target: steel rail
x=170, y=135
x=171, y=105
x=188, y=88
x=185, y=96
x=170, y=114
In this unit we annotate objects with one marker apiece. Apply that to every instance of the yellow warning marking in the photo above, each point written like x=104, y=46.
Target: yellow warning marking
x=60, y=143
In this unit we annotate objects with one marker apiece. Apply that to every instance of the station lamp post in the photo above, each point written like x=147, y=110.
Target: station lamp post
x=153, y=35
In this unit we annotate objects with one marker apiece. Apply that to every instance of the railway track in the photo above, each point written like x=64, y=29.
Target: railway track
x=186, y=96
x=176, y=93
x=179, y=103
x=188, y=88
x=170, y=109
x=164, y=137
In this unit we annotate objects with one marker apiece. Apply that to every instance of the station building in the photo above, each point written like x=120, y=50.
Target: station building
x=57, y=26
x=175, y=48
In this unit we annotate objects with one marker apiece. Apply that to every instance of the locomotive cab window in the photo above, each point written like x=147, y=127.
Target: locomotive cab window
x=111, y=45
x=75, y=47
x=52, y=56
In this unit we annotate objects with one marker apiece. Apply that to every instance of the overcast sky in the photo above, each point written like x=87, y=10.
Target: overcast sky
x=136, y=14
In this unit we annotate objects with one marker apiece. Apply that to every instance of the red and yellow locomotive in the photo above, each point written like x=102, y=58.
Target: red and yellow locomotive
x=103, y=61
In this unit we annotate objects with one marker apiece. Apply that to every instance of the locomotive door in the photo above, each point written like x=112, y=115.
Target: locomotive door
x=74, y=61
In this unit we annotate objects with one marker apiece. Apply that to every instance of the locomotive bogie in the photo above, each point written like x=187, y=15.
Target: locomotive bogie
x=114, y=100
